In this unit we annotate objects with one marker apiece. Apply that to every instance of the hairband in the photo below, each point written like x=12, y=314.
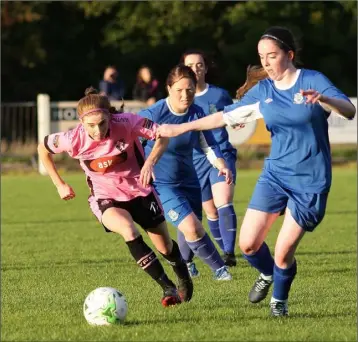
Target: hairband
x=275, y=38
x=104, y=110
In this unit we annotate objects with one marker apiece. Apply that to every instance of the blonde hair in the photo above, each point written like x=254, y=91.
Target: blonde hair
x=254, y=74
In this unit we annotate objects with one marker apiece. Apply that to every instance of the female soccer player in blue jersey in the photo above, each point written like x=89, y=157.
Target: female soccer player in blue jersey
x=217, y=195
x=176, y=180
x=296, y=178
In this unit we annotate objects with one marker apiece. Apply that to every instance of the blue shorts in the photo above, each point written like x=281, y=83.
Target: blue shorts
x=179, y=202
x=307, y=209
x=208, y=175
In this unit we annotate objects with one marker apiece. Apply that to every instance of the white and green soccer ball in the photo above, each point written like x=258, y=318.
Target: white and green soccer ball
x=105, y=306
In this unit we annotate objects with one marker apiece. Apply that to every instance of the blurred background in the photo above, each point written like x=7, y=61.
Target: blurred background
x=60, y=48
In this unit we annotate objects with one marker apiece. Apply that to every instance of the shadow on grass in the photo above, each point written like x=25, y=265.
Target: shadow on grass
x=60, y=264
x=327, y=253
x=53, y=221
x=341, y=212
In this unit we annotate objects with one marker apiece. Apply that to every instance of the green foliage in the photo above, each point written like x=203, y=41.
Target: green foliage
x=62, y=47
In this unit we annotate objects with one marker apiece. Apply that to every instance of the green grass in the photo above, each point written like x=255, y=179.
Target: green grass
x=54, y=253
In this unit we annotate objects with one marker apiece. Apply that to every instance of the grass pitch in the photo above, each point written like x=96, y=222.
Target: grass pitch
x=54, y=253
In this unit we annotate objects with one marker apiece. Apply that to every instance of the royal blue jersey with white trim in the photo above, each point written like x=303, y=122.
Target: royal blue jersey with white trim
x=213, y=99
x=175, y=167
x=300, y=158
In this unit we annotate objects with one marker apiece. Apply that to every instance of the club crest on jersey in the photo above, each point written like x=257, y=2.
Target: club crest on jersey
x=298, y=98
x=173, y=215
x=56, y=140
x=212, y=108
x=120, y=145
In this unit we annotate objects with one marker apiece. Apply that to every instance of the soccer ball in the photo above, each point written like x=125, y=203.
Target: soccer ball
x=105, y=306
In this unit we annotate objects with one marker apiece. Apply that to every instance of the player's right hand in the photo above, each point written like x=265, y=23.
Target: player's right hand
x=168, y=131
x=237, y=127
x=65, y=191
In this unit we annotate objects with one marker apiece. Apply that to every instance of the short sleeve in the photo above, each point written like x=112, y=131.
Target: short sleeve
x=226, y=98
x=245, y=110
x=325, y=87
x=58, y=142
x=250, y=98
x=143, y=125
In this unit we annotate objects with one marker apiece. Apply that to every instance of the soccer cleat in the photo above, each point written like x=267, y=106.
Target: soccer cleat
x=185, y=284
x=185, y=289
x=278, y=308
x=222, y=273
x=170, y=297
x=193, y=271
x=229, y=259
x=259, y=290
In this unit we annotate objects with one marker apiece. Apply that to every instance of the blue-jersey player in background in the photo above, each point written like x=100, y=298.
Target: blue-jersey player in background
x=175, y=179
x=217, y=195
x=296, y=179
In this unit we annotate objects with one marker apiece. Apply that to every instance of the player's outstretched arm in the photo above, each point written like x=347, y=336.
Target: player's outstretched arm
x=64, y=190
x=337, y=105
x=209, y=122
x=146, y=173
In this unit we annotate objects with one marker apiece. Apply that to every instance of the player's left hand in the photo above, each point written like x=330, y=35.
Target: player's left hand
x=227, y=173
x=312, y=96
x=146, y=173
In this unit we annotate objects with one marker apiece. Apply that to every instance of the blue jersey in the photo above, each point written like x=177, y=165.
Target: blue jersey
x=211, y=100
x=300, y=158
x=175, y=167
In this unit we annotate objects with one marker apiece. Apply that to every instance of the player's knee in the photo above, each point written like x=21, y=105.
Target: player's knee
x=211, y=212
x=284, y=259
x=248, y=246
x=128, y=234
x=165, y=248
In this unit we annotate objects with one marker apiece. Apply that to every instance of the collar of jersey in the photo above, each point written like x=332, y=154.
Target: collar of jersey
x=172, y=111
x=298, y=71
x=204, y=91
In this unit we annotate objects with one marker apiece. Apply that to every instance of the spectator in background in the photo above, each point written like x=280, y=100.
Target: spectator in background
x=146, y=88
x=111, y=86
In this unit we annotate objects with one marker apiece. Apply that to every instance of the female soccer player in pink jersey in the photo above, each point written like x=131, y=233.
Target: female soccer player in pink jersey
x=107, y=146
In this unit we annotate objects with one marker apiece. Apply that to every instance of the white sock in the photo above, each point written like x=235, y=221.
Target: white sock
x=266, y=277
x=278, y=300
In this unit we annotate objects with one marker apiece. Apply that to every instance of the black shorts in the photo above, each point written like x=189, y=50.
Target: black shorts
x=145, y=211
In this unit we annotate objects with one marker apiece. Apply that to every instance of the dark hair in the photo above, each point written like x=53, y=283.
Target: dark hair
x=285, y=40
x=196, y=52
x=92, y=100
x=213, y=74
x=178, y=72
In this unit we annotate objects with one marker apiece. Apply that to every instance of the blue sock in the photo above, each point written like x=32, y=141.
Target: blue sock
x=228, y=224
x=262, y=260
x=282, y=280
x=185, y=251
x=215, y=231
x=205, y=249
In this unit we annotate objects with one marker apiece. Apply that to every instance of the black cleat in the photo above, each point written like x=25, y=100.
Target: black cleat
x=185, y=289
x=229, y=259
x=185, y=284
x=260, y=290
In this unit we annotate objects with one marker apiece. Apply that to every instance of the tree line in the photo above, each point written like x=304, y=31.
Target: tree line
x=62, y=47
